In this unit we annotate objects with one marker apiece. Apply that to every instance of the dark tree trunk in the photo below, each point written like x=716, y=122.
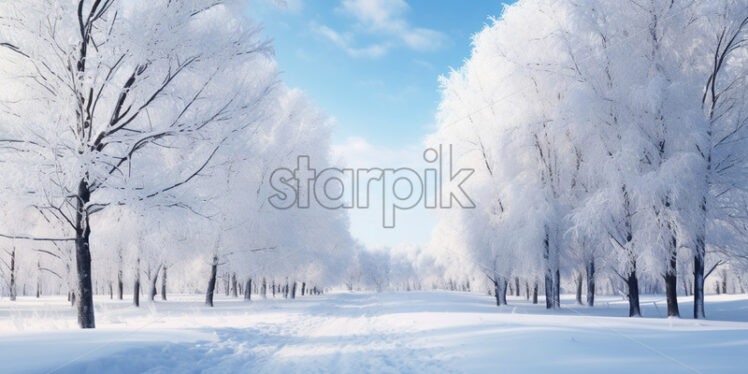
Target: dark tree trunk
x=591, y=282
x=234, y=285
x=503, y=291
x=136, y=290
x=83, y=258
x=120, y=285
x=248, y=289
x=154, y=281
x=535, y=292
x=73, y=299
x=163, y=285
x=227, y=286
x=557, y=289
x=273, y=288
x=12, y=268
x=497, y=292
x=211, y=282
x=111, y=291
x=698, y=287
x=633, y=288
x=39, y=281
x=516, y=286
x=671, y=286
x=548, y=291
x=671, y=280
x=724, y=281
x=579, y=289
x=303, y=288
x=264, y=290
x=527, y=290
x=293, y=290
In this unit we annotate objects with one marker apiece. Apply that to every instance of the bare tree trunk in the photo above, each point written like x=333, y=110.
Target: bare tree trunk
x=12, y=268
x=579, y=288
x=503, y=290
x=120, y=280
x=591, y=282
x=527, y=290
x=234, y=285
x=83, y=258
x=303, y=288
x=496, y=291
x=633, y=289
x=293, y=290
x=535, y=292
x=724, y=281
x=136, y=286
x=516, y=286
x=548, y=291
x=120, y=285
x=557, y=289
x=211, y=282
x=264, y=288
x=227, y=286
x=154, y=281
x=111, y=291
x=248, y=289
x=698, y=286
x=671, y=284
x=163, y=285
x=39, y=280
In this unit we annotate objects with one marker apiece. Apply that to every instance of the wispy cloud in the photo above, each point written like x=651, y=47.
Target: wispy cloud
x=385, y=20
x=345, y=41
x=387, y=17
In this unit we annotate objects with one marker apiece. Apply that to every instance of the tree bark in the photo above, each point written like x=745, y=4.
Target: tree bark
x=293, y=290
x=83, y=258
x=303, y=288
x=579, y=288
x=698, y=287
x=724, y=281
x=248, y=289
x=120, y=285
x=264, y=291
x=548, y=291
x=234, y=285
x=12, y=267
x=671, y=286
x=136, y=286
x=535, y=292
x=557, y=289
x=503, y=291
x=591, y=282
x=211, y=282
x=154, y=281
x=671, y=281
x=496, y=292
x=633, y=287
x=163, y=285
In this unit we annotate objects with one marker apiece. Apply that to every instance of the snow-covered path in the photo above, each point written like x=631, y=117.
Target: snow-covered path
x=426, y=332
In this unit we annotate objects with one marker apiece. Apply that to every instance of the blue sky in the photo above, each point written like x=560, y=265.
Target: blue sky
x=373, y=66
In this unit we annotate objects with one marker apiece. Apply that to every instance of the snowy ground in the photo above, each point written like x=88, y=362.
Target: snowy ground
x=424, y=332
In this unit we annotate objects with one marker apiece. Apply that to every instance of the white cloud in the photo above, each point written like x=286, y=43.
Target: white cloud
x=384, y=19
x=345, y=41
x=387, y=17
